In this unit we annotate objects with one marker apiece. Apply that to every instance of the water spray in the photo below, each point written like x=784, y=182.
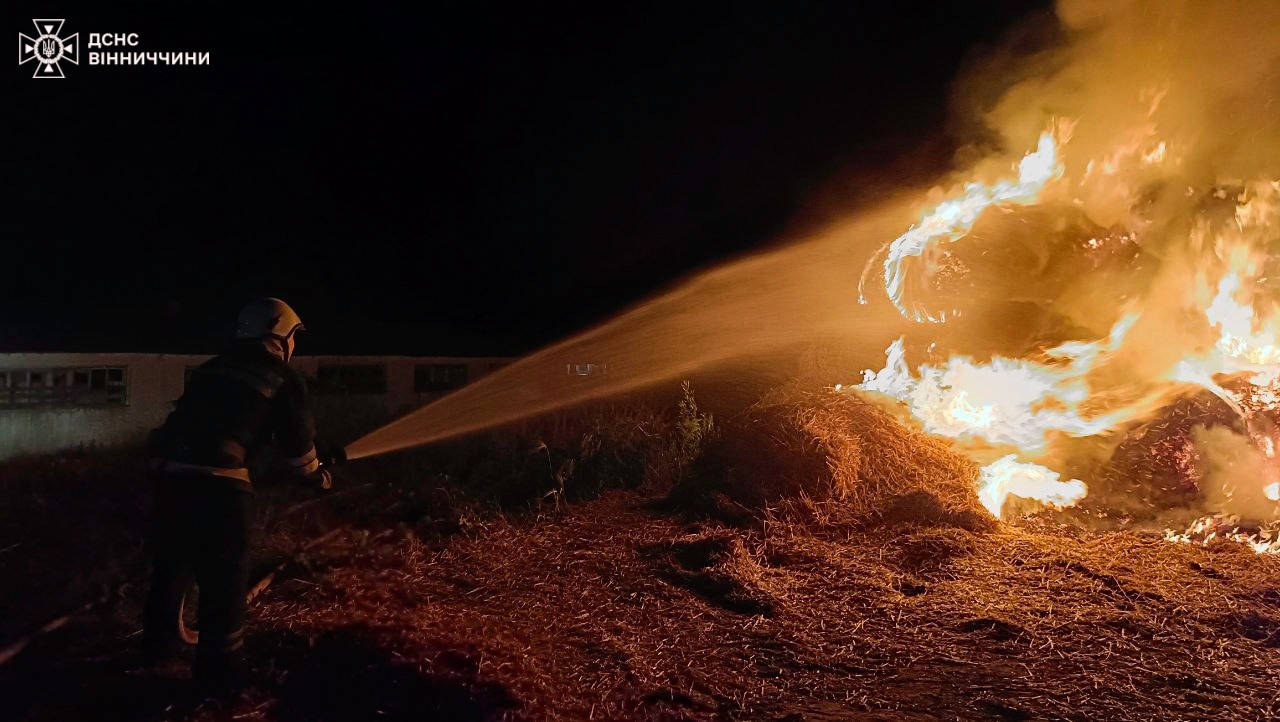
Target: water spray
x=786, y=298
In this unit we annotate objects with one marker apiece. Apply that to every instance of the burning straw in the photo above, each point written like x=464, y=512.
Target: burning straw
x=1140, y=228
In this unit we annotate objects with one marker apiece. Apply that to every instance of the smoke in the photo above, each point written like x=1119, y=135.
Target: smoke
x=1169, y=107
x=1174, y=112
x=1164, y=111
x=1120, y=78
x=1149, y=189
x=782, y=299
x=1231, y=465
x=1202, y=76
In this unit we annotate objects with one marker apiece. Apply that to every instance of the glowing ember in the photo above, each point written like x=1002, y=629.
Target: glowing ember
x=1272, y=491
x=1221, y=527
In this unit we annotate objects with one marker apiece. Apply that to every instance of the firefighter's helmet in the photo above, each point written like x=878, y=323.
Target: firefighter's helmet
x=268, y=318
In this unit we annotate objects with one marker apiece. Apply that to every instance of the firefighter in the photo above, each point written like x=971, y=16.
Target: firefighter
x=234, y=405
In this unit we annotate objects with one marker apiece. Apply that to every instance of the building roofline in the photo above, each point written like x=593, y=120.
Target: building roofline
x=153, y=355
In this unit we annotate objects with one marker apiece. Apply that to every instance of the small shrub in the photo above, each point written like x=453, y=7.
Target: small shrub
x=569, y=455
x=579, y=453
x=693, y=430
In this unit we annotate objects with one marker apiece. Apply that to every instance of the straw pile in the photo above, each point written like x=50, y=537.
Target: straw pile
x=835, y=458
x=1156, y=465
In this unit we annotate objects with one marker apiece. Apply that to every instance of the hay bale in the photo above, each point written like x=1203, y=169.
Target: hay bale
x=902, y=466
x=840, y=457
x=1156, y=466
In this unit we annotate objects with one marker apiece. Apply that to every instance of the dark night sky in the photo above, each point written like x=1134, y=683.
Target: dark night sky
x=451, y=178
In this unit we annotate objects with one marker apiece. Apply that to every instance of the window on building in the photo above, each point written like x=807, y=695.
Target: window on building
x=106, y=386
x=438, y=377
x=351, y=379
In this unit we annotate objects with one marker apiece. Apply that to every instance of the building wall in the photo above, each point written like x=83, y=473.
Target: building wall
x=155, y=381
x=401, y=394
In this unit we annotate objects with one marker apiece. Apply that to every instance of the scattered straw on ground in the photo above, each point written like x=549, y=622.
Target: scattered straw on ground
x=613, y=609
x=583, y=618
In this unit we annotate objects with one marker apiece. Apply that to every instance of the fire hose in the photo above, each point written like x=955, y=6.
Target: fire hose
x=334, y=458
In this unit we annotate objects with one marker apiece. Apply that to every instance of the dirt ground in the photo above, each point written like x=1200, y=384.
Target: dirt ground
x=619, y=609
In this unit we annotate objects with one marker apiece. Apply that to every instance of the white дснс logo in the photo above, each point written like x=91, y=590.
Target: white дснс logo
x=48, y=49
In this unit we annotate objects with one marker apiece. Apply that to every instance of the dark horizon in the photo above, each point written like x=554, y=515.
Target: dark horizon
x=481, y=181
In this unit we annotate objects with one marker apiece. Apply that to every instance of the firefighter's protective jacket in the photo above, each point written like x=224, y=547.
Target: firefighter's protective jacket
x=234, y=404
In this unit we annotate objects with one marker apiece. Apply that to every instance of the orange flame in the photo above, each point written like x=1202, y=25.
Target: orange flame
x=1015, y=402
x=952, y=219
x=1023, y=404
x=1007, y=476
x=1206, y=530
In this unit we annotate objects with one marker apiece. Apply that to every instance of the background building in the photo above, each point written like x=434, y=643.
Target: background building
x=59, y=401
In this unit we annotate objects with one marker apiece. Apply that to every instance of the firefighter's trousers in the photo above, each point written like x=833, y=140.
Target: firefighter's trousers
x=200, y=530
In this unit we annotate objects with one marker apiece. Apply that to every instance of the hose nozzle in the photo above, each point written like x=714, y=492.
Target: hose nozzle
x=335, y=456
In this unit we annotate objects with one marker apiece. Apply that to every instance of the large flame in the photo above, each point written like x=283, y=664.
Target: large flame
x=952, y=219
x=1015, y=408
x=1008, y=476
x=1015, y=402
